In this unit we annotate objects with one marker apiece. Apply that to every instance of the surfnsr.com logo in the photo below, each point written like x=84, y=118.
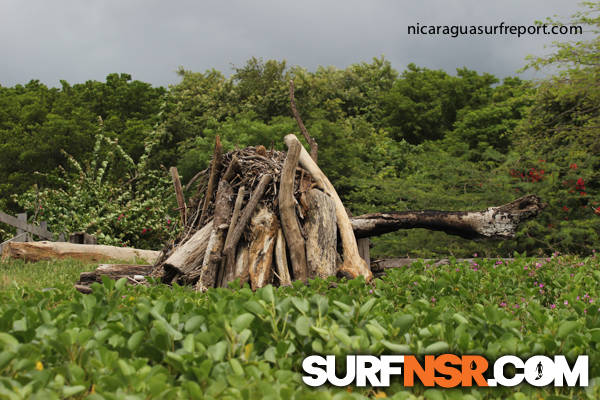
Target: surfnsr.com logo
x=446, y=370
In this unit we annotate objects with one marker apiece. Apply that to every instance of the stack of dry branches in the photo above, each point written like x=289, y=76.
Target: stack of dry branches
x=262, y=216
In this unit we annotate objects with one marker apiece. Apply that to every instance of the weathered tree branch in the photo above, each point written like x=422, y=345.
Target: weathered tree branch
x=212, y=257
x=495, y=222
x=287, y=213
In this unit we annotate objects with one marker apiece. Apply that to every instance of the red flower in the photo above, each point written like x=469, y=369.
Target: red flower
x=573, y=166
x=143, y=230
x=580, y=183
x=597, y=210
x=565, y=208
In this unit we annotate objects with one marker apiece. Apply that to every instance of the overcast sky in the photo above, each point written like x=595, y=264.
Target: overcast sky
x=78, y=40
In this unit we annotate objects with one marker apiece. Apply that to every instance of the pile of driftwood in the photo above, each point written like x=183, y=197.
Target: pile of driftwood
x=262, y=216
x=272, y=217
x=265, y=216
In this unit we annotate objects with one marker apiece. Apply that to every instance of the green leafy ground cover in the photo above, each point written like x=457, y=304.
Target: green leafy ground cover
x=162, y=342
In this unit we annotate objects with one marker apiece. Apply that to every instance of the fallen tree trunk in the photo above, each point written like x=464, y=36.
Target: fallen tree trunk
x=134, y=272
x=495, y=222
x=38, y=251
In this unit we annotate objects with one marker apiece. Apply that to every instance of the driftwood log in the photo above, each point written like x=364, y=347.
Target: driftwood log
x=287, y=212
x=495, y=222
x=39, y=251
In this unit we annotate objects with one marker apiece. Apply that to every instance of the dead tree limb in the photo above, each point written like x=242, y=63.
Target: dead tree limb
x=213, y=255
x=287, y=213
x=212, y=180
x=247, y=214
x=353, y=265
x=495, y=222
x=314, y=147
x=229, y=261
x=179, y=195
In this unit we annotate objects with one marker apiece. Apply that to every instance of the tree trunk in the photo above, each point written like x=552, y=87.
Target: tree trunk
x=263, y=233
x=494, y=222
x=321, y=235
x=38, y=251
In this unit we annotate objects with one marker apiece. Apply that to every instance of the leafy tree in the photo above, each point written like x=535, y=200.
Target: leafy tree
x=135, y=210
x=423, y=104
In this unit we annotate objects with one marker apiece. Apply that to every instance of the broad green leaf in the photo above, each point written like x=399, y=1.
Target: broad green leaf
x=242, y=322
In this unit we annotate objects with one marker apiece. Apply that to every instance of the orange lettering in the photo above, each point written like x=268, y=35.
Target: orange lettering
x=412, y=366
x=473, y=367
x=454, y=373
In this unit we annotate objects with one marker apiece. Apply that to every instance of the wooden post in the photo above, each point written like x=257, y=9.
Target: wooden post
x=364, y=250
x=22, y=236
x=179, y=195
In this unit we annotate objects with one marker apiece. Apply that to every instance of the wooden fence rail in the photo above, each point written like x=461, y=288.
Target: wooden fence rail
x=25, y=230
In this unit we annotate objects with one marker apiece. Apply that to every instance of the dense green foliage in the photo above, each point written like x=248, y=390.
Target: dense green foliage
x=175, y=343
x=420, y=139
x=131, y=210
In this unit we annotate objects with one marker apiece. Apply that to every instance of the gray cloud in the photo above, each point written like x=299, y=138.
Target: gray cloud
x=78, y=40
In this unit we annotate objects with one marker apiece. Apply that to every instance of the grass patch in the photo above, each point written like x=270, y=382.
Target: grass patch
x=42, y=274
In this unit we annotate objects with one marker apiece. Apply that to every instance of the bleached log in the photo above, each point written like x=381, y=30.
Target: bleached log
x=190, y=255
x=38, y=251
x=281, y=263
x=321, y=235
x=287, y=213
x=353, y=265
x=495, y=222
x=213, y=254
x=263, y=233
